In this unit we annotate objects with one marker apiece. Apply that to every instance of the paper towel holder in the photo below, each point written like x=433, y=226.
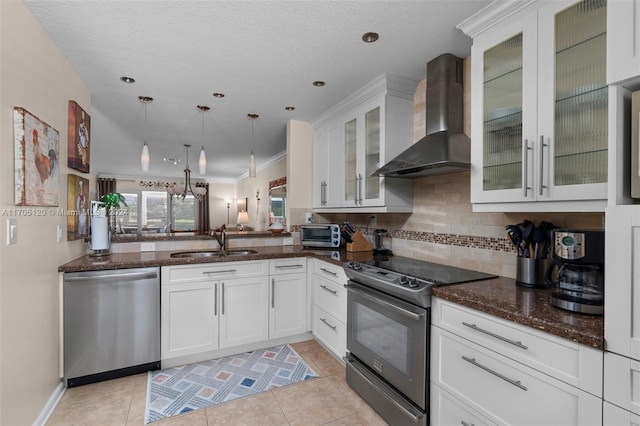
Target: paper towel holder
x=100, y=242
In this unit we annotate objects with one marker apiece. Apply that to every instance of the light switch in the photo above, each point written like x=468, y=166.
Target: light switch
x=12, y=231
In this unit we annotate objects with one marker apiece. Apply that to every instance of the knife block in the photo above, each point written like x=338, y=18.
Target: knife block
x=359, y=243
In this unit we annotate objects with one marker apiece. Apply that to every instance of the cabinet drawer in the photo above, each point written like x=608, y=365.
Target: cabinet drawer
x=622, y=382
x=287, y=266
x=612, y=415
x=331, y=332
x=209, y=271
x=331, y=298
x=576, y=364
x=447, y=410
x=505, y=390
x=331, y=272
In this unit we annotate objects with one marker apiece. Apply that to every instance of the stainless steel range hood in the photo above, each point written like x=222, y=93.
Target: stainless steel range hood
x=445, y=149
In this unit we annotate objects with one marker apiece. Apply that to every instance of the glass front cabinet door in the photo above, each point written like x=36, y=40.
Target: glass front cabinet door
x=540, y=109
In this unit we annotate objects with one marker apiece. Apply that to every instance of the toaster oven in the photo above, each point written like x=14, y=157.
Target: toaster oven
x=320, y=235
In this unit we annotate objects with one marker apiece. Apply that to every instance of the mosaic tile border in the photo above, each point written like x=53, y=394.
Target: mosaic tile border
x=468, y=241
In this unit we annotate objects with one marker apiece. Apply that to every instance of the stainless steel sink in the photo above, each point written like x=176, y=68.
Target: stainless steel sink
x=239, y=252
x=212, y=253
x=197, y=254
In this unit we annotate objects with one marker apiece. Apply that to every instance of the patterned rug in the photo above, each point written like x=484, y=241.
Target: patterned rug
x=190, y=387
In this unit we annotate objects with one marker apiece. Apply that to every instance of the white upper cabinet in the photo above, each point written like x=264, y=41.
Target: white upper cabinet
x=623, y=42
x=539, y=106
x=355, y=138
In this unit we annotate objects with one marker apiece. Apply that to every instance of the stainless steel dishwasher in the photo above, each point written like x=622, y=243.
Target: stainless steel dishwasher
x=111, y=324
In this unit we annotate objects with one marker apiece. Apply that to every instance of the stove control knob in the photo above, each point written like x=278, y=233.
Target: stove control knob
x=351, y=264
x=357, y=267
x=404, y=280
x=413, y=283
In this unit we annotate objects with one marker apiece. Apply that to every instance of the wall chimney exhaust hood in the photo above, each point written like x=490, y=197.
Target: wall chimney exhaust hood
x=445, y=148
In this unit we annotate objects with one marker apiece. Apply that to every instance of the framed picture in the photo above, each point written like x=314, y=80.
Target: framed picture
x=78, y=207
x=78, y=148
x=36, y=160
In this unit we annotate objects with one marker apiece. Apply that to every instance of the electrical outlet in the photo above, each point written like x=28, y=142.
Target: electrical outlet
x=147, y=246
x=373, y=220
x=59, y=233
x=12, y=231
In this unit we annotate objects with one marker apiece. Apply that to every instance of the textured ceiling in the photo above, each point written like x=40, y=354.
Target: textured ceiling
x=263, y=55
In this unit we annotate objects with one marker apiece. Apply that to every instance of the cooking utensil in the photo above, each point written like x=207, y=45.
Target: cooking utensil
x=527, y=234
x=515, y=235
x=538, y=238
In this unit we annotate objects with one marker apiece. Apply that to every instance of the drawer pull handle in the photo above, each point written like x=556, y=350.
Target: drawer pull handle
x=495, y=373
x=227, y=271
x=333, y=327
x=504, y=339
x=289, y=266
x=463, y=423
x=328, y=289
x=335, y=274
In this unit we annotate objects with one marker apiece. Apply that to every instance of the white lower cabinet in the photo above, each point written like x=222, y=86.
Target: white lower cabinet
x=330, y=307
x=189, y=318
x=213, y=306
x=447, y=410
x=622, y=382
x=503, y=373
x=244, y=315
x=288, y=297
x=616, y=416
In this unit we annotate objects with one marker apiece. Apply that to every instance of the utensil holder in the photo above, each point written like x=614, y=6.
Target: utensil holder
x=530, y=272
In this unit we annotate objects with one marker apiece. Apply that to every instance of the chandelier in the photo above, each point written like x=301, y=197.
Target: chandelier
x=181, y=191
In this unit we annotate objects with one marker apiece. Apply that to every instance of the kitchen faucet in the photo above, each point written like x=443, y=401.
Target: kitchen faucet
x=220, y=239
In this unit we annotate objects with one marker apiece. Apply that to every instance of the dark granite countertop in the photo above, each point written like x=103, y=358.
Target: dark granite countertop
x=163, y=258
x=530, y=307
x=188, y=236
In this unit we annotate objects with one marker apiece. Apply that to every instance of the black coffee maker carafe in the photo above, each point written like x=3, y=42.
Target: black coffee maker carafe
x=577, y=271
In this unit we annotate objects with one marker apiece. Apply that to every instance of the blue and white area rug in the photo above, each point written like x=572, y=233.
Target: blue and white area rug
x=190, y=387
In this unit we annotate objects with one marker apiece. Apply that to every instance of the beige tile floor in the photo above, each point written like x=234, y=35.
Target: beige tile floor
x=326, y=400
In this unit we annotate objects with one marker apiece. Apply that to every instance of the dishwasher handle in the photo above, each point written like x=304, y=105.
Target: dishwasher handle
x=120, y=276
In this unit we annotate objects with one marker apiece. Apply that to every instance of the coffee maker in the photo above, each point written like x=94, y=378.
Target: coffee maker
x=577, y=271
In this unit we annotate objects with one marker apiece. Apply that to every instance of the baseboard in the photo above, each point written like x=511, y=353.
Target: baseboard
x=50, y=405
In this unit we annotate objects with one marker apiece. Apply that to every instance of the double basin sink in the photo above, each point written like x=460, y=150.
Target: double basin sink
x=212, y=253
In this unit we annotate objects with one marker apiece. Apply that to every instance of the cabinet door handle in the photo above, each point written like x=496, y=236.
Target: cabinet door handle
x=289, y=266
x=463, y=423
x=516, y=383
x=273, y=292
x=360, y=188
x=323, y=193
x=215, y=300
x=333, y=327
x=355, y=197
x=335, y=274
x=222, y=296
x=226, y=271
x=497, y=336
x=328, y=289
x=542, y=145
x=525, y=166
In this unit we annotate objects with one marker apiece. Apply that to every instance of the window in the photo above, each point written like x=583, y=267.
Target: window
x=151, y=212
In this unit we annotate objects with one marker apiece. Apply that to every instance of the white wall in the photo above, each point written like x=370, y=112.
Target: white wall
x=33, y=75
x=299, y=172
x=248, y=187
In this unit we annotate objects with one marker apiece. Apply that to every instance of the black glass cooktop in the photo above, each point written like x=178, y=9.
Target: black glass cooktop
x=428, y=271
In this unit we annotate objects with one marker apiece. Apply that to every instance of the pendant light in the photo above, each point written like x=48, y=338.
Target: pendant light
x=144, y=157
x=202, y=161
x=252, y=159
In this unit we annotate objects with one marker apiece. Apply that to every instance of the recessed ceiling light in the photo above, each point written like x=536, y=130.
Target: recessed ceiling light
x=319, y=83
x=218, y=95
x=289, y=108
x=203, y=108
x=145, y=99
x=127, y=79
x=370, y=37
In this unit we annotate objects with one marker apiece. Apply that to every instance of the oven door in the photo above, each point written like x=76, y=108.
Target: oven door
x=391, y=337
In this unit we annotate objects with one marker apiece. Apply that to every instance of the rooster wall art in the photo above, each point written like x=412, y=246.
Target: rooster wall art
x=36, y=160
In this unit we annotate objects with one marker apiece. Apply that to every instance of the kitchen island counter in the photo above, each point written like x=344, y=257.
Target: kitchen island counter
x=530, y=307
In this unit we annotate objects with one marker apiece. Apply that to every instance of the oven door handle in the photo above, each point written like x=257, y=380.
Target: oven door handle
x=403, y=311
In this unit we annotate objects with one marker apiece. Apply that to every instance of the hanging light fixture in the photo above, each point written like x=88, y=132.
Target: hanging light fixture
x=252, y=159
x=202, y=161
x=181, y=191
x=144, y=157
